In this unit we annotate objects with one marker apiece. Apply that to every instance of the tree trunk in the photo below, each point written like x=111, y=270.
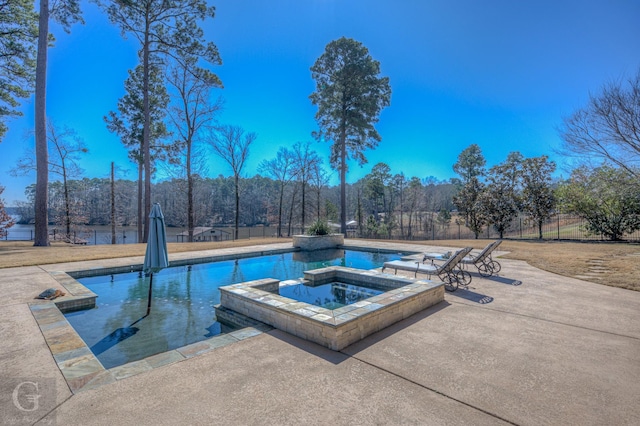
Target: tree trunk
x=280, y=210
x=237, y=225
x=113, y=205
x=293, y=201
x=67, y=209
x=343, y=182
x=318, y=207
x=401, y=211
x=146, y=154
x=190, y=215
x=359, y=214
x=540, y=229
x=140, y=197
x=41, y=235
x=302, y=206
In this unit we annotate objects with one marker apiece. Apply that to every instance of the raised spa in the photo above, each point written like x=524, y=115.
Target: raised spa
x=336, y=329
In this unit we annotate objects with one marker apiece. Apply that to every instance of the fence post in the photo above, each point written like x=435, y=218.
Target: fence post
x=558, y=227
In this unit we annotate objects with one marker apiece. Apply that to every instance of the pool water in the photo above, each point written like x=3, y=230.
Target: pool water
x=330, y=296
x=184, y=297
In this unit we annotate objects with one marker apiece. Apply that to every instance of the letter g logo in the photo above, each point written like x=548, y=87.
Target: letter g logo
x=21, y=395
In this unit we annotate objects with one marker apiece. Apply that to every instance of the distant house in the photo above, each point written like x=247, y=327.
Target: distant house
x=203, y=233
x=352, y=228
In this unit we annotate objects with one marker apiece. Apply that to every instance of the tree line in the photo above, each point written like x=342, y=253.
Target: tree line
x=168, y=114
x=295, y=193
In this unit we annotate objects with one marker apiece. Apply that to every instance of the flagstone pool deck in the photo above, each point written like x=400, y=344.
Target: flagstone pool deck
x=527, y=347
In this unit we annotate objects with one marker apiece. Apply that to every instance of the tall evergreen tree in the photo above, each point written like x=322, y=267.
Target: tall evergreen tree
x=128, y=123
x=164, y=28
x=350, y=94
x=376, y=188
x=18, y=38
x=65, y=12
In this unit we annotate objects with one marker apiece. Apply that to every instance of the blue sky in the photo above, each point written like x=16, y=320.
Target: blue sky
x=498, y=73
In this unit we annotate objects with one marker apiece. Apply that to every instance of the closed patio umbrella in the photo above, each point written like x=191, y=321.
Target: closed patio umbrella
x=156, y=257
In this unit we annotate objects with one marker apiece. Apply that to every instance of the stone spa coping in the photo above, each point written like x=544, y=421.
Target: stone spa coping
x=335, y=328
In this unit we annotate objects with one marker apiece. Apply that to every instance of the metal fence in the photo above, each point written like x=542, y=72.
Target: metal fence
x=129, y=235
x=559, y=227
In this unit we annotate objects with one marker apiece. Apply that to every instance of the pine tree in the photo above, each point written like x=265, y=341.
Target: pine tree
x=164, y=29
x=350, y=94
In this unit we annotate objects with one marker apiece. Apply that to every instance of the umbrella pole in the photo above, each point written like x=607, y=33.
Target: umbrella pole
x=150, y=291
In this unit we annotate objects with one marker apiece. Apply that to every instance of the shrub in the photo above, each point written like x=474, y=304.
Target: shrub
x=319, y=228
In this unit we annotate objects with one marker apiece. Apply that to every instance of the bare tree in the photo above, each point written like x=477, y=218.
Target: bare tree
x=191, y=111
x=66, y=146
x=608, y=128
x=305, y=160
x=280, y=169
x=414, y=200
x=231, y=143
x=319, y=180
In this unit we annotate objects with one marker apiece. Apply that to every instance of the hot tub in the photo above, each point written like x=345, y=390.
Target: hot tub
x=334, y=328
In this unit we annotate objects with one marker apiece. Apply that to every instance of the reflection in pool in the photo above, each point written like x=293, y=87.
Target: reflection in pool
x=183, y=299
x=329, y=296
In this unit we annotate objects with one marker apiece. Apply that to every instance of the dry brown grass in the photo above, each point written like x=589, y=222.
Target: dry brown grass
x=613, y=264
x=617, y=265
x=23, y=253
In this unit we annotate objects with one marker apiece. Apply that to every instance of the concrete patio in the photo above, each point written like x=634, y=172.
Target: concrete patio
x=527, y=347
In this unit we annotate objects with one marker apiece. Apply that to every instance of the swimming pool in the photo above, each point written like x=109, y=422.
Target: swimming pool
x=182, y=311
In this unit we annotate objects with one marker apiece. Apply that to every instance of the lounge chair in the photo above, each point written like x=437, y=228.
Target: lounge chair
x=483, y=261
x=447, y=272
